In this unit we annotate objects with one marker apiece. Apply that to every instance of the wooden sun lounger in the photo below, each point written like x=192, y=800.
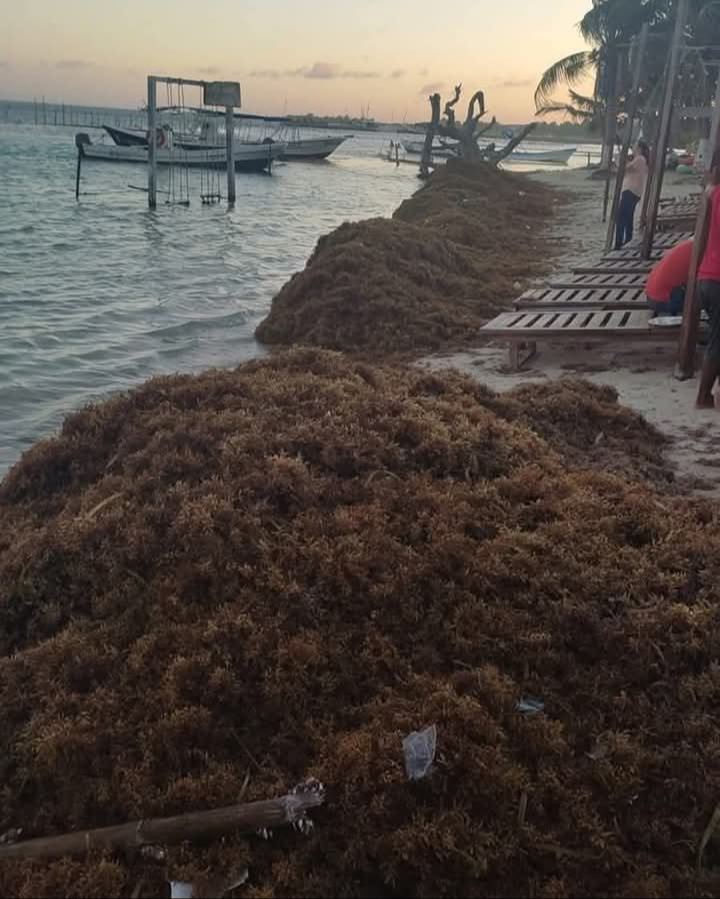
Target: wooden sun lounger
x=623, y=279
x=634, y=252
x=615, y=267
x=523, y=328
x=678, y=215
x=583, y=298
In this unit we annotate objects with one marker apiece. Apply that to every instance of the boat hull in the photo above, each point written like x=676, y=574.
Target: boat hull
x=313, y=148
x=546, y=157
x=255, y=158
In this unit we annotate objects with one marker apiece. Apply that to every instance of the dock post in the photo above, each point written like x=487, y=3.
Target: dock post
x=229, y=149
x=152, y=144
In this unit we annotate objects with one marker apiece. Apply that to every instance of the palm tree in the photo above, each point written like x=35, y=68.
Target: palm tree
x=608, y=27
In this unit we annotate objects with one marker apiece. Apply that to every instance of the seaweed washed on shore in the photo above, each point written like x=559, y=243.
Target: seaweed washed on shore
x=452, y=256
x=217, y=586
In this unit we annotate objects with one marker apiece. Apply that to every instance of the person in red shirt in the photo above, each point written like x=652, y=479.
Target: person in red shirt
x=709, y=287
x=665, y=288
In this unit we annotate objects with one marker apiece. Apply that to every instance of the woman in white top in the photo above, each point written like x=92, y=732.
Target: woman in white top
x=633, y=188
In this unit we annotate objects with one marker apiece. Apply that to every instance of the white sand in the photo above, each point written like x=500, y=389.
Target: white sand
x=641, y=373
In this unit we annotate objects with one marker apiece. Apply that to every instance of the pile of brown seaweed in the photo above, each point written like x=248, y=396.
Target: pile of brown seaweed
x=426, y=279
x=217, y=586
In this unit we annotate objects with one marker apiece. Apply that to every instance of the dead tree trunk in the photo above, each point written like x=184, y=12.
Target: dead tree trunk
x=426, y=159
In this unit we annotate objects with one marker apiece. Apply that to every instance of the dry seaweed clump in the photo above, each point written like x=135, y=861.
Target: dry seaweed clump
x=429, y=278
x=585, y=422
x=217, y=586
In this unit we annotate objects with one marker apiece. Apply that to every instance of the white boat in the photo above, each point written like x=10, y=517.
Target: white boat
x=555, y=157
x=313, y=147
x=440, y=151
x=256, y=157
x=549, y=156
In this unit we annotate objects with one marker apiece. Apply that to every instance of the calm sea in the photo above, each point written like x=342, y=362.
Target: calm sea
x=98, y=295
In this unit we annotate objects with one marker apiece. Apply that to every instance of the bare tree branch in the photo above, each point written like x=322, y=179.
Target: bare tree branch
x=449, y=111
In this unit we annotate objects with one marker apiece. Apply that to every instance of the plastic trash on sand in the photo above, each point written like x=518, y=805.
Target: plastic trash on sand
x=530, y=706
x=666, y=321
x=180, y=890
x=419, y=748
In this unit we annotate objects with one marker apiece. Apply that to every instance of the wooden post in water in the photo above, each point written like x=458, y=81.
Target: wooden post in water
x=152, y=161
x=641, y=49
x=664, y=129
x=229, y=148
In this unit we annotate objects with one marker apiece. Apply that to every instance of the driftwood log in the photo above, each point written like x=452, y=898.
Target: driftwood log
x=246, y=818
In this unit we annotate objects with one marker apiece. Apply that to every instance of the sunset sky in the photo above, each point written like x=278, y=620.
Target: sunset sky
x=295, y=56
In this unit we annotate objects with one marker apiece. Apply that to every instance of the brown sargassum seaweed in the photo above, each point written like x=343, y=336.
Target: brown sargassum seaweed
x=280, y=571
x=430, y=277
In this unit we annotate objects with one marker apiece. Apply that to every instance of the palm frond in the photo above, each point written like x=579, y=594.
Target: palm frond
x=569, y=70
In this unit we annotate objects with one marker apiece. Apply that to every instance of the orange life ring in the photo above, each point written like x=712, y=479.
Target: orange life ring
x=159, y=137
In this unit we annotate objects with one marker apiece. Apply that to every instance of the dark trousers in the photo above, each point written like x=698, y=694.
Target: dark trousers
x=626, y=218
x=710, y=296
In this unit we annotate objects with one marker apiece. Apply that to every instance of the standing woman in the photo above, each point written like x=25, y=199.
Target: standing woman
x=634, y=183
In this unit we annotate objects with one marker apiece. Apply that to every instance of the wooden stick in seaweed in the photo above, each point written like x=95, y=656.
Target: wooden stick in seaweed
x=247, y=818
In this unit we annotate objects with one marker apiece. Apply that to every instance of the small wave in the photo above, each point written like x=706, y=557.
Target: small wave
x=199, y=325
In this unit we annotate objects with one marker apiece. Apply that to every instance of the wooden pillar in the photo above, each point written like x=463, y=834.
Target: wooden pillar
x=664, y=129
x=152, y=161
x=685, y=367
x=611, y=122
x=715, y=125
x=230, y=151
x=640, y=47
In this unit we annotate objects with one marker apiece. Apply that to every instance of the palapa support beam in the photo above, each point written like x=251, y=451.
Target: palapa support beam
x=655, y=187
x=246, y=818
x=641, y=50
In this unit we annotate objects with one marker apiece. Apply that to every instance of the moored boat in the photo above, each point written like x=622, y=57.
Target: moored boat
x=256, y=157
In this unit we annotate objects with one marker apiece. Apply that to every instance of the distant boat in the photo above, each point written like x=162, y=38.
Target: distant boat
x=556, y=157
x=446, y=150
x=312, y=147
x=255, y=157
x=440, y=151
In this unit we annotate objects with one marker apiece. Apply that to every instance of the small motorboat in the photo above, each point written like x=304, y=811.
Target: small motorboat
x=312, y=147
x=553, y=157
x=448, y=150
x=249, y=157
x=440, y=150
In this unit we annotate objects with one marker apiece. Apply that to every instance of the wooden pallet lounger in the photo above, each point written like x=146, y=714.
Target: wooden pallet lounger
x=583, y=298
x=615, y=267
x=623, y=279
x=523, y=328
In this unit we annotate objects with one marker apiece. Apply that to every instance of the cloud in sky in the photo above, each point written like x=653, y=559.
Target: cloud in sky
x=322, y=71
x=513, y=83
x=432, y=87
x=74, y=64
x=359, y=73
x=397, y=73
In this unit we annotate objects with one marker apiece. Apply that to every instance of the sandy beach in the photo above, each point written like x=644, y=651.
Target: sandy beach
x=641, y=373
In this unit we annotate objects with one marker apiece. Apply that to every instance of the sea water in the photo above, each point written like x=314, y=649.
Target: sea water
x=100, y=294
